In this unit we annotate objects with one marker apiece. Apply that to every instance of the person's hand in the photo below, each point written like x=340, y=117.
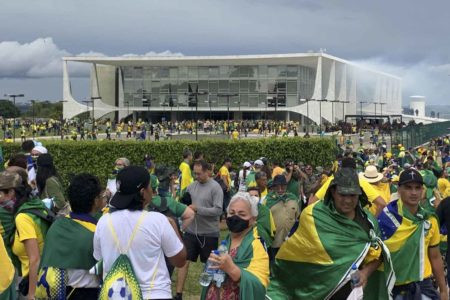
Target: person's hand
x=193, y=207
x=363, y=277
x=223, y=262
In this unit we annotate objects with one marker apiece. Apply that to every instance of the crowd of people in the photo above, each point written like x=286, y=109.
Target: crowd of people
x=142, y=130
x=373, y=223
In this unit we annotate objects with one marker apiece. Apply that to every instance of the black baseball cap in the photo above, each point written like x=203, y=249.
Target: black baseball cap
x=129, y=181
x=279, y=180
x=410, y=175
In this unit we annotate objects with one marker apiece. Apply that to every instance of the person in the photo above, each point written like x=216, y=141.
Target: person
x=264, y=222
x=443, y=184
x=155, y=235
x=257, y=166
x=49, y=185
x=69, y=243
x=412, y=235
x=261, y=184
x=277, y=169
x=377, y=181
x=443, y=214
x=246, y=263
x=285, y=210
x=185, y=176
x=224, y=174
x=111, y=186
x=6, y=273
x=30, y=229
x=333, y=235
x=376, y=202
x=309, y=181
x=242, y=177
x=202, y=235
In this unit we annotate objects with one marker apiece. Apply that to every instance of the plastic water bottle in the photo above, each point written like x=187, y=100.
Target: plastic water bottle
x=354, y=276
x=207, y=275
x=219, y=276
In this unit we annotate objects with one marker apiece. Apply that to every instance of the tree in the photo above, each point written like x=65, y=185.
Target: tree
x=8, y=110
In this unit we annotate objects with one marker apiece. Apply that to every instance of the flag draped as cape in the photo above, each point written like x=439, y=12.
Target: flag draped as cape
x=253, y=261
x=315, y=262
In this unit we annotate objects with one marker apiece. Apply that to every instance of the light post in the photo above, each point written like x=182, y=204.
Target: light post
x=332, y=109
x=62, y=119
x=343, y=110
x=14, y=96
x=360, y=109
x=93, y=108
x=307, y=111
x=320, y=111
x=33, y=102
x=195, y=95
x=228, y=95
x=381, y=107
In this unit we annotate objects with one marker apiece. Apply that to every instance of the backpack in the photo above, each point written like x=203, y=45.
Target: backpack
x=222, y=183
x=49, y=216
x=121, y=281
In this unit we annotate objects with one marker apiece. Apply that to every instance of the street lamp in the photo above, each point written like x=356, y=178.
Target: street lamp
x=320, y=111
x=93, y=108
x=343, y=110
x=381, y=107
x=195, y=95
x=228, y=95
x=360, y=109
x=332, y=109
x=307, y=111
x=14, y=96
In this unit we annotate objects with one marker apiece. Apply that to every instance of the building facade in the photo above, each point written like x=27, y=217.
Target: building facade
x=283, y=86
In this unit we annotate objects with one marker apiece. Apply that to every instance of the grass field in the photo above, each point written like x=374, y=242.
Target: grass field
x=192, y=288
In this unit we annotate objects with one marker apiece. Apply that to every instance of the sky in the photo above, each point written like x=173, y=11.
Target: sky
x=408, y=38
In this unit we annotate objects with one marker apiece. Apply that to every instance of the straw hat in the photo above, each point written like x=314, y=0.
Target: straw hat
x=371, y=174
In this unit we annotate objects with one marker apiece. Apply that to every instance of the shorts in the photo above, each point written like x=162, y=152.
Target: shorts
x=199, y=246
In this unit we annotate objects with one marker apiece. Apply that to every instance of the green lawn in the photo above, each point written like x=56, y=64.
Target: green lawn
x=192, y=288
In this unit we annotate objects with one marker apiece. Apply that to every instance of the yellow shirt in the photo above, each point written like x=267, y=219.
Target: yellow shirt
x=26, y=229
x=235, y=135
x=186, y=175
x=444, y=187
x=384, y=190
x=223, y=171
x=6, y=268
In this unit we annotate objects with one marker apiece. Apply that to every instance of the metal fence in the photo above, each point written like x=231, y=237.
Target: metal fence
x=416, y=135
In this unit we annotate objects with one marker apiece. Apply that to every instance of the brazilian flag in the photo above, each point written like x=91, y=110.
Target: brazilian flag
x=315, y=262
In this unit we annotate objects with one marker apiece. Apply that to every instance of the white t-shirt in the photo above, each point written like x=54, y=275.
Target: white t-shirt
x=154, y=238
x=242, y=181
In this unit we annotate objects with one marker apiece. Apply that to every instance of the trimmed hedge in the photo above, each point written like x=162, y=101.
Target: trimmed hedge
x=97, y=157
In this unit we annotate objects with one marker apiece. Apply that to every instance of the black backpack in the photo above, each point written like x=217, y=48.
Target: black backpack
x=49, y=216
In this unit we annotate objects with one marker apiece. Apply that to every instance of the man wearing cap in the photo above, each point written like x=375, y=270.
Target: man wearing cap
x=373, y=195
x=285, y=210
x=257, y=166
x=156, y=235
x=333, y=235
x=412, y=235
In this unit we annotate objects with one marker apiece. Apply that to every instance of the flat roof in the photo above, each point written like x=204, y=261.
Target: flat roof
x=307, y=59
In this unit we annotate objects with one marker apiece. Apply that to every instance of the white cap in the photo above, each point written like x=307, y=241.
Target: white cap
x=247, y=164
x=259, y=162
x=40, y=149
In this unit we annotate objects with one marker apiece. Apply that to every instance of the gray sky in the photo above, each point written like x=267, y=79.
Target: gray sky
x=408, y=38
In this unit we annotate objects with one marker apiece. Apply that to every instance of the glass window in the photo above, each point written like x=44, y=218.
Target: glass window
x=224, y=71
x=213, y=100
x=213, y=72
x=213, y=87
x=253, y=100
x=224, y=86
x=183, y=72
x=164, y=72
x=164, y=86
x=155, y=87
x=183, y=87
x=281, y=86
x=203, y=72
x=244, y=100
x=262, y=71
x=234, y=86
x=282, y=71
x=243, y=71
x=292, y=87
x=234, y=72
x=173, y=73
x=252, y=86
x=193, y=72
x=203, y=85
x=243, y=86
x=262, y=86
x=193, y=85
x=292, y=71
x=273, y=71
x=271, y=86
x=253, y=71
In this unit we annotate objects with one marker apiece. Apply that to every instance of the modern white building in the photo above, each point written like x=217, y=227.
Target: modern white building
x=282, y=86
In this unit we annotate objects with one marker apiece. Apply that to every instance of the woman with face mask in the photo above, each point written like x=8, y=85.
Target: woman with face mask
x=246, y=264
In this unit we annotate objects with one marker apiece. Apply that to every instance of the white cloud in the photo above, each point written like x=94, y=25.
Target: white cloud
x=42, y=58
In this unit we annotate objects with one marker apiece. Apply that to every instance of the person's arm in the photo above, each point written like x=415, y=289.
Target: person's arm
x=438, y=270
x=169, y=245
x=380, y=204
x=187, y=217
x=367, y=270
x=54, y=190
x=32, y=249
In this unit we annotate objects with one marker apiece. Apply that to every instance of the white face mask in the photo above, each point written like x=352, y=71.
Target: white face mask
x=255, y=198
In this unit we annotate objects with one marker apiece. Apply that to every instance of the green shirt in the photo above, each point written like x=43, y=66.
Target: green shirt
x=174, y=206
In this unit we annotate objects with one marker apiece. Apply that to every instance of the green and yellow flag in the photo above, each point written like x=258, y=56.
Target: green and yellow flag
x=315, y=262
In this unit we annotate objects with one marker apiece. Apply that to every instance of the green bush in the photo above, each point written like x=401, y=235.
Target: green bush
x=97, y=157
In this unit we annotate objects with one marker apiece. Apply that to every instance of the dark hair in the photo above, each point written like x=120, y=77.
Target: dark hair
x=260, y=174
x=348, y=162
x=205, y=166
x=226, y=160
x=27, y=146
x=18, y=160
x=254, y=188
x=23, y=192
x=186, y=153
x=45, y=170
x=82, y=191
x=197, y=155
